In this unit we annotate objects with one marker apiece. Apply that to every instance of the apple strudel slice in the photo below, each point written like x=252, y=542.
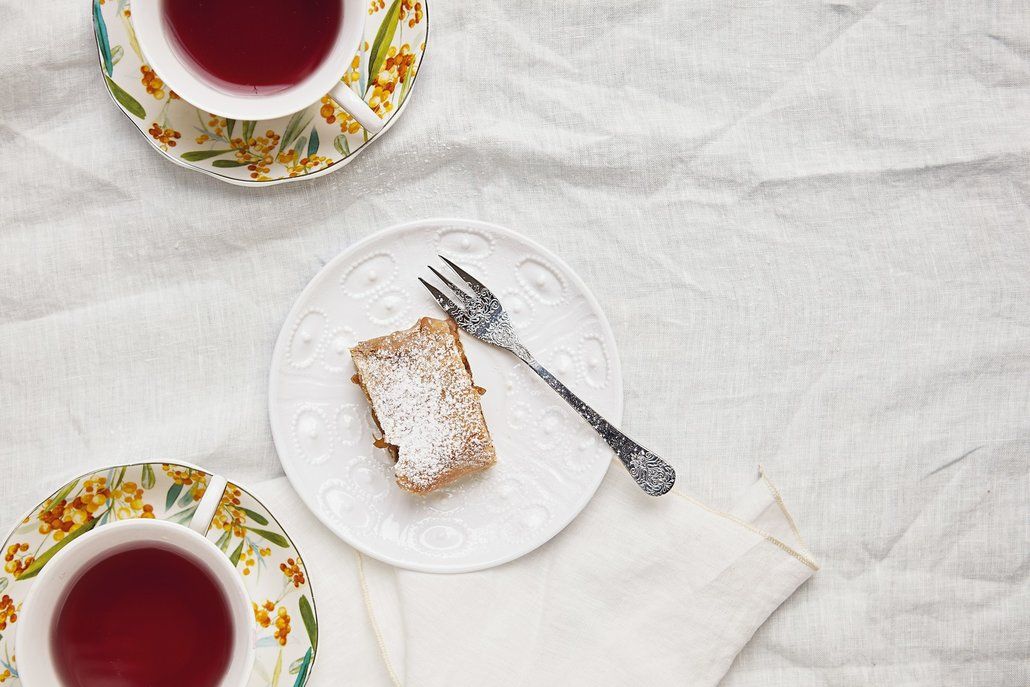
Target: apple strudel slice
x=419, y=385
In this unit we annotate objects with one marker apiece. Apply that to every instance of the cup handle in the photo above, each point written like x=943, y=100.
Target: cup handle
x=205, y=512
x=357, y=108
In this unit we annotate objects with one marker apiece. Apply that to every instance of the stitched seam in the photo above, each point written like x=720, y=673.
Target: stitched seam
x=783, y=507
x=383, y=653
x=762, y=533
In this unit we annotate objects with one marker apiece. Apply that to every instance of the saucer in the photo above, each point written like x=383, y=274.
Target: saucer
x=311, y=143
x=549, y=461
x=273, y=573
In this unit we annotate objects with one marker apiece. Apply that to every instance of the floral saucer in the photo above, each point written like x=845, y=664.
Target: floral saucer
x=272, y=570
x=311, y=143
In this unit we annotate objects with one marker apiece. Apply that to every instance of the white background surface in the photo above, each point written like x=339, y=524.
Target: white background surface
x=806, y=221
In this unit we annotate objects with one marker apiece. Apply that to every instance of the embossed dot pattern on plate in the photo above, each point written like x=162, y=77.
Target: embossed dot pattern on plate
x=549, y=461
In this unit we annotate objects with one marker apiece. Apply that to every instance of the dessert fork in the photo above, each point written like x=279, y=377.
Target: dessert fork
x=478, y=312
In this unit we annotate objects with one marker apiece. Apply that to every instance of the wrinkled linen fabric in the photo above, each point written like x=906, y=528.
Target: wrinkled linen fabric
x=808, y=224
x=658, y=591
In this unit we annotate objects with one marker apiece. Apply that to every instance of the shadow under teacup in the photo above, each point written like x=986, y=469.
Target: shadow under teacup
x=187, y=41
x=67, y=594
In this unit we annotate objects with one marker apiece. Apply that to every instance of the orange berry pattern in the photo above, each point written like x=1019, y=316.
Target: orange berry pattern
x=411, y=11
x=270, y=566
x=8, y=612
x=8, y=616
x=250, y=558
x=94, y=498
x=267, y=616
x=171, y=492
x=398, y=69
x=254, y=152
x=293, y=571
x=166, y=137
x=185, y=476
x=272, y=571
x=229, y=517
x=16, y=561
x=152, y=82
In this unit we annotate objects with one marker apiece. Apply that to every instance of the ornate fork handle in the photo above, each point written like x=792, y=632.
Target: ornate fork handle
x=481, y=315
x=650, y=472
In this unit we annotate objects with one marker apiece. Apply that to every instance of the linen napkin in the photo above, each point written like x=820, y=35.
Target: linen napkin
x=657, y=591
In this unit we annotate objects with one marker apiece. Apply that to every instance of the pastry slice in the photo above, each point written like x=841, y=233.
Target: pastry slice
x=419, y=385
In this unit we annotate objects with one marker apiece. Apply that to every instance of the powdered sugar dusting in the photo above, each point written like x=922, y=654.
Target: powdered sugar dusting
x=423, y=397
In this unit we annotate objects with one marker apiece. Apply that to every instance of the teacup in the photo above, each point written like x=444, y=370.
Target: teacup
x=167, y=59
x=43, y=607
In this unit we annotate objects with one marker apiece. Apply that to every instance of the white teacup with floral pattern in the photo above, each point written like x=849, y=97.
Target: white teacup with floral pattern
x=157, y=45
x=33, y=648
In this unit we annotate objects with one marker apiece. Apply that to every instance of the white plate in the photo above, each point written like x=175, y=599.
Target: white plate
x=549, y=462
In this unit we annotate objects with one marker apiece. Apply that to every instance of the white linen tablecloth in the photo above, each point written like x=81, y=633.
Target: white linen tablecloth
x=808, y=223
x=660, y=592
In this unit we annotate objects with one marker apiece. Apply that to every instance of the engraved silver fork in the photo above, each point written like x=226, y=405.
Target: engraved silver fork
x=479, y=312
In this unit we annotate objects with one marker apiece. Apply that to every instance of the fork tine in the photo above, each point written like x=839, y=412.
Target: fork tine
x=476, y=285
x=459, y=294
x=446, y=303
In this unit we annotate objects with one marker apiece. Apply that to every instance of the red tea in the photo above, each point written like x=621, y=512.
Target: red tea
x=254, y=46
x=143, y=617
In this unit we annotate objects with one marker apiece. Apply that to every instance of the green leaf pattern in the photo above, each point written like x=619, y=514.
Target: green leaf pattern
x=298, y=122
x=245, y=150
x=173, y=495
x=272, y=570
x=198, y=155
x=130, y=104
x=277, y=581
x=383, y=41
x=148, y=479
x=100, y=26
x=313, y=142
x=227, y=164
x=342, y=145
x=78, y=507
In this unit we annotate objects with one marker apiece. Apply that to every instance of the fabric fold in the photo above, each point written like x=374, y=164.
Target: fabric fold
x=661, y=592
